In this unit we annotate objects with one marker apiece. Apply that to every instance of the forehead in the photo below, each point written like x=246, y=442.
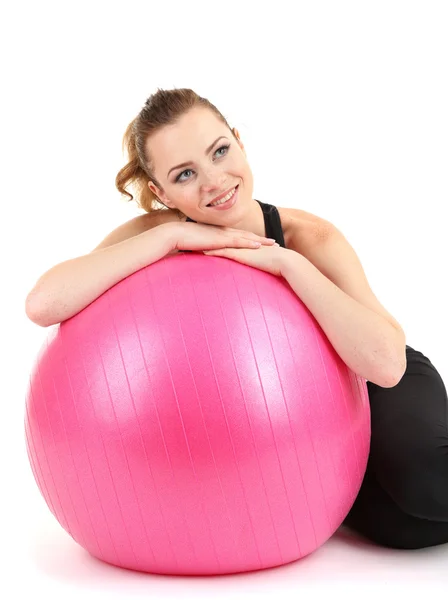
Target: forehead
x=197, y=128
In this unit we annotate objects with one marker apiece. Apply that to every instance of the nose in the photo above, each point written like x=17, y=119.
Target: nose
x=212, y=180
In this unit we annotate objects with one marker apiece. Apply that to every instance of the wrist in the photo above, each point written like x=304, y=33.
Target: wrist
x=170, y=233
x=290, y=261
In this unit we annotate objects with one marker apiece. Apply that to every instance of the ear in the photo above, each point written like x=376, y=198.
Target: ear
x=160, y=195
x=154, y=189
x=238, y=138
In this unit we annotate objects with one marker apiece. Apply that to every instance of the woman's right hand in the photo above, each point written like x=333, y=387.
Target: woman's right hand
x=200, y=236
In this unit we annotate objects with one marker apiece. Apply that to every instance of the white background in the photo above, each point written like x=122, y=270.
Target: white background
x=342, y=107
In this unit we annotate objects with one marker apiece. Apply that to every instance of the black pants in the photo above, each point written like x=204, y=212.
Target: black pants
x=403, y=500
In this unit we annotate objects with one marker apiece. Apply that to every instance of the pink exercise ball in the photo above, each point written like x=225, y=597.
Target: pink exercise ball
x=195, y=420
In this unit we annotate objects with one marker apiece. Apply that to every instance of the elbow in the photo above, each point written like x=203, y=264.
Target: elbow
x=34, y=312
x=389, y=380
x=43, y=312
x=397, y=376
x=394, y=361
x=393, y=375
x=34, y=316
x=387, y=366
x=30, y=307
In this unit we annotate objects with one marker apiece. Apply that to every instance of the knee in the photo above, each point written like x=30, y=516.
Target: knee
x=394, y=529
x=410, y=461
x=408, y=538
x=422, y=492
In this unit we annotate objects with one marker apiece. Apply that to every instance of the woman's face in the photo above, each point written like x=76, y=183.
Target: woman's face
x=214, y=166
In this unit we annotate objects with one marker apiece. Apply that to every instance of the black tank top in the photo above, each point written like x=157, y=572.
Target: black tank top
x=272, y=223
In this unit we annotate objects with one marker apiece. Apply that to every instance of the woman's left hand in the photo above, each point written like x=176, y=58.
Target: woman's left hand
x=267, y=258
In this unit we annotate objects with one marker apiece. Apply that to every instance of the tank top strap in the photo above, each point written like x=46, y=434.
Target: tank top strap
x=272, y=223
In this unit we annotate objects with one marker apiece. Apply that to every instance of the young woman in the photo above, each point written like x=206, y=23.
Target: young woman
x=184, y=155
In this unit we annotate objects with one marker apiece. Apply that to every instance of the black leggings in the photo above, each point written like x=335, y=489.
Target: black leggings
x=403, y=500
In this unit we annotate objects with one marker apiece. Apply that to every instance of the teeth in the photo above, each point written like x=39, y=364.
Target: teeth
x=229, y=195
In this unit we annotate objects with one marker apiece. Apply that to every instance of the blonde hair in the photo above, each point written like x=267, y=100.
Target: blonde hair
x=165, y=107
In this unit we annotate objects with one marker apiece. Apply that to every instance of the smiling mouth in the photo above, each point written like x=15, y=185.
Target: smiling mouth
x=233, y=191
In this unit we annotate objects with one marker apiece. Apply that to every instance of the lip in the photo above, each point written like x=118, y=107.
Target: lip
x=222, y=195
x=227, y=205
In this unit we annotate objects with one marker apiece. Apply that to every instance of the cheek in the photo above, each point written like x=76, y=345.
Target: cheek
x=240, y=165
x=247, y=172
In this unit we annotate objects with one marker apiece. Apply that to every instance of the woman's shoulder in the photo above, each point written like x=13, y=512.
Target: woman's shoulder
x=302, y=228
x=149, y=220
x=137, y=225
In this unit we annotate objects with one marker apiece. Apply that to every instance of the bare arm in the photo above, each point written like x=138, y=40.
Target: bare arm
x=67, y=288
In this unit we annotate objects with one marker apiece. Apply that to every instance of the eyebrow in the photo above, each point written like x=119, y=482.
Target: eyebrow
x=185, y=164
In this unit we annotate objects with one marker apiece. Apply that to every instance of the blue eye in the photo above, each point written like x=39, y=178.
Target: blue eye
x=187, y=170
x=223, y=148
